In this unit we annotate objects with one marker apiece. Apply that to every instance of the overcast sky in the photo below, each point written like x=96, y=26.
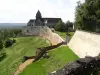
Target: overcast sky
x=23, y=10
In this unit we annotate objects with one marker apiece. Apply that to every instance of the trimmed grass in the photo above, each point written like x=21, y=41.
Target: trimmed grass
x=24, y=46
x=58, y=58
x=63, y=34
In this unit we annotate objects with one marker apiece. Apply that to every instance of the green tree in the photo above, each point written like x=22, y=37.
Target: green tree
x=68, y=24
x=59, y=26
x=1, y=45
x=87, y=15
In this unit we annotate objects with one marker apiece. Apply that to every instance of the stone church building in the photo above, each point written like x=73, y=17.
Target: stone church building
x=39, y=21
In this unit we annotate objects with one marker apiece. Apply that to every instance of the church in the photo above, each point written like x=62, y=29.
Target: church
x=39, y=21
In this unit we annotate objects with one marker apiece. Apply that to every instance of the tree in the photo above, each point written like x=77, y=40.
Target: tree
x=87, y=15
x=8, y=43
x=1, y=45
x=59, y=26
x=68, y=24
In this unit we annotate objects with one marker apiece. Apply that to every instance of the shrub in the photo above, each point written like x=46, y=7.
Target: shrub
x=8, y=43
x=2, y=55
x=1, y=44
x=14, y=41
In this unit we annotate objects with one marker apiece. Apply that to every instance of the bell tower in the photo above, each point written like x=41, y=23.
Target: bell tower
x=38, y=15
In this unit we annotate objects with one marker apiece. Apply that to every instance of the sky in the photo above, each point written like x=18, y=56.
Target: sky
x=21, y=11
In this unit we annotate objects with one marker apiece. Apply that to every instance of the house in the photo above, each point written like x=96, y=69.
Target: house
x=39, y=21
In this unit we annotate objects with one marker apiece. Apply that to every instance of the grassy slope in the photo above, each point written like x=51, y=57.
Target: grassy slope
x=25, y=46
x=58, y=58
x=63, y=34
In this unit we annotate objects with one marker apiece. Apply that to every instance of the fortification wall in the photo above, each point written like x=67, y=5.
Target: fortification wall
x=85, y=44
x=31, y=30
x=52, y=37
x=42, y=31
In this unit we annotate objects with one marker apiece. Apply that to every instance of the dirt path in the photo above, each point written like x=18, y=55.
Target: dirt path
x=23, y=65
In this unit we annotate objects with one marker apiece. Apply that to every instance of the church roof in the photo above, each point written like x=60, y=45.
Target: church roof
x=49, y=20
x=31, y=20
x=52, y=20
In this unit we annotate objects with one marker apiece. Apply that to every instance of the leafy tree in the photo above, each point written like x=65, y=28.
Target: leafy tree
x=67, y=25
x=59, y=26
x=1, y=45
x=88, y=15
x=8, y=43
x=2, y=54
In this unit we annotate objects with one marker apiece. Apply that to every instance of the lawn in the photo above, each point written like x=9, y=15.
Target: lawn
x=24, y=46
x=58, y=58
x=63, y=34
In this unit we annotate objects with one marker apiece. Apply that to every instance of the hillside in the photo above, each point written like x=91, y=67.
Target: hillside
x=24, y=46
x=58, y=58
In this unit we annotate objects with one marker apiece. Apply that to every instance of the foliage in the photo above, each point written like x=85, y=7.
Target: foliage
x=7, y=33
x=1, y=44
x=58, y=58
x=88, y=15
x=14, y=41
x=63, y=34
x=2, y=54
x=25, y=46
x=59, y=26
x=9, y=42
x=68, y=24
x=63, y=27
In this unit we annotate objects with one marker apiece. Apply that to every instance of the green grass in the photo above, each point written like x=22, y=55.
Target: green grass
x=63, y=34
x=58, y=58
x=24, y=46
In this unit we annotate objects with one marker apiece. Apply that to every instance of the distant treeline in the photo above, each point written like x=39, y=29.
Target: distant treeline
x=7, y=33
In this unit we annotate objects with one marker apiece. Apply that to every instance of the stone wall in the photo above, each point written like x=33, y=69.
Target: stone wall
x=31, y=30
x=83, y=66
x=85, y=43
x=51, y=36
x=44, y=32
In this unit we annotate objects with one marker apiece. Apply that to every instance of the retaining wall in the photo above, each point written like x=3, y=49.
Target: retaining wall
x=83, y=66
x=85, y=44
x=42, y=31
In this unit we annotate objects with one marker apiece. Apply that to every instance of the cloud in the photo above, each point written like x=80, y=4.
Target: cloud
x=23, y=10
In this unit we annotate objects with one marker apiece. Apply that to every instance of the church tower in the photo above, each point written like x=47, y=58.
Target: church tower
x=38, y=15
x=38, y=21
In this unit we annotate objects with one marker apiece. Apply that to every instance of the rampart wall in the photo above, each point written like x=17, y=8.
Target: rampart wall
x=85, y=44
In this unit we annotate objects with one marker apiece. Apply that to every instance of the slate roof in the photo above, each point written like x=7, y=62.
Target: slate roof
x=31, y=20
x=52, y=20
x=49, y=20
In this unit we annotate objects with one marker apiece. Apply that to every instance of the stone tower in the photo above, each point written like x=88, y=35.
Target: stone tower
x=39, y=21
x=38, y=15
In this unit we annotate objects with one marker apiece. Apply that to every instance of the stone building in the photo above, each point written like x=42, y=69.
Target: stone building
x=39, y=21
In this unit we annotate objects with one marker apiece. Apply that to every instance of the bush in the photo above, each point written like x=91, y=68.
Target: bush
x=2, y=55
x=1, y=44
x=14, y=41
x=8, y=43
